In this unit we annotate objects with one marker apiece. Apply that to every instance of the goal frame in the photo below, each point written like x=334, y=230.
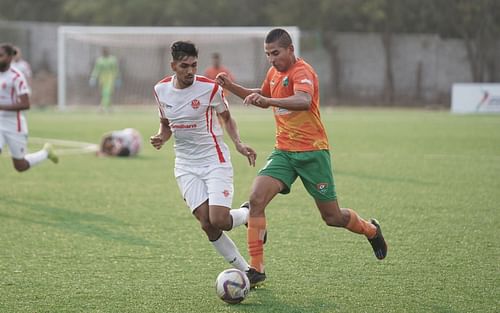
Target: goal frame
x=63, y=31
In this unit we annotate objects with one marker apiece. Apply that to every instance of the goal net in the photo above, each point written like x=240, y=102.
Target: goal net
x=143, y=55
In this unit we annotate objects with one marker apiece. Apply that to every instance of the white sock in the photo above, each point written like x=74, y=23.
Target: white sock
x=240, y=216
x=226, y=247
x=37, y=157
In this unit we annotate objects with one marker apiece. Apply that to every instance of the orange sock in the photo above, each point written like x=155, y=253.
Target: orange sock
x=360, y=226
x=255, y=237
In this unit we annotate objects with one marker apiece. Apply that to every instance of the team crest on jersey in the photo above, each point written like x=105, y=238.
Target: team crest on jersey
x=195, y=104
x=226, y=193
x=4, y=85
x=285, y=81
x=322, y=187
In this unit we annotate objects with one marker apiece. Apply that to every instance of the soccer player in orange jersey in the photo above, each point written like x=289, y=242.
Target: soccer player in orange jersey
x=217, y=68
x=291, y=88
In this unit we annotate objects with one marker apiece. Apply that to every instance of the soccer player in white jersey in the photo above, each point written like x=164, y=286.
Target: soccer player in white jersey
x=14, y=98
x=190, y=107
x=123, y=143
x=22, y=65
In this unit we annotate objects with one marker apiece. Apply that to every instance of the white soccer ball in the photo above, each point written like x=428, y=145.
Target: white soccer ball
x=232, y=286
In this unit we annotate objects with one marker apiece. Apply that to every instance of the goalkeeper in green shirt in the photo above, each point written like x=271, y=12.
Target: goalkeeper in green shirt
x=107, y=73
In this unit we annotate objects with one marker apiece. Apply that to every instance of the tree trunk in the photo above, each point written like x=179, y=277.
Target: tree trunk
x=329, y=42
x=418, y=82
x=389, y=76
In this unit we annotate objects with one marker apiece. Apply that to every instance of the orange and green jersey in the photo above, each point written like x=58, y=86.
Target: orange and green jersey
x=296, y=130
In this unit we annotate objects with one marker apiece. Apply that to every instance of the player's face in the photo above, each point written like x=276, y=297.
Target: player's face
x=5, y=60
x=185, y=70
x=279, y=57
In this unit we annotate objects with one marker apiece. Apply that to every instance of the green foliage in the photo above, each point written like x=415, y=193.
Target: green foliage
x=450, y=18
x=113, y=235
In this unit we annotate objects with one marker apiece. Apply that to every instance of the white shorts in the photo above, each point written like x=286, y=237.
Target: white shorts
x=213, y=182
x=16, y=141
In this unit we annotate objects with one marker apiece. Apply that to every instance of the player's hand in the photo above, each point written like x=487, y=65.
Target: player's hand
x=257, y=100
x=157, y=141
x=223, y=80
x=248, y=152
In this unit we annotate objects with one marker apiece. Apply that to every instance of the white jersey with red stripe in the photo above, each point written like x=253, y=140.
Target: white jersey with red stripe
x=12, y=85
x=128, y=138
x=24, y=67
x=192, y=114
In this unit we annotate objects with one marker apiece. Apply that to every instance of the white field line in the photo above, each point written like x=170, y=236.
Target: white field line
x=67, y=147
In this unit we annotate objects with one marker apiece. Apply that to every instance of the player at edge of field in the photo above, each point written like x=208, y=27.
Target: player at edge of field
x=106, y=73
x=291, y=88
x=14, y=98
x=190, y=107
x=22, y=65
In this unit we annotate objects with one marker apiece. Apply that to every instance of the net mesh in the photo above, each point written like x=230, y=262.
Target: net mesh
x=144, y=59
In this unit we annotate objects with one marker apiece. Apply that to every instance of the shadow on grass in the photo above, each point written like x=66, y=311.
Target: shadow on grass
x=264, y=300
x=82, y=223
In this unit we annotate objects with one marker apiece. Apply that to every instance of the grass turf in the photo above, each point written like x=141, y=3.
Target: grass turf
x=113, y=235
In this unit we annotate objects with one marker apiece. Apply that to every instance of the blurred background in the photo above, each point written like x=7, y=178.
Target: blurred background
x=366, y=52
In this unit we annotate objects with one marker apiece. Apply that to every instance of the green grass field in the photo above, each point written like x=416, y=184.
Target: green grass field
x=113, y=235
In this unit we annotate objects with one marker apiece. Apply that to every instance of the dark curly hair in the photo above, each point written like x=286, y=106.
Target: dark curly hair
x=8, y=48
x=182, y=49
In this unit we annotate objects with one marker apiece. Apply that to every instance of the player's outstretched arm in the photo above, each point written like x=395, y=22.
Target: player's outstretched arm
x=23, y=104
x=163, y=135
x=232, y=131
x=224, y=80
x=300, y=101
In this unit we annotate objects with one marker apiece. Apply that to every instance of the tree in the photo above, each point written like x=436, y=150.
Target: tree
x=478, y=24
x=327, y=17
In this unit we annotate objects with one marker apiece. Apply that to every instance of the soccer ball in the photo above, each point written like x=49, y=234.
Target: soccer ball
x=232, y=286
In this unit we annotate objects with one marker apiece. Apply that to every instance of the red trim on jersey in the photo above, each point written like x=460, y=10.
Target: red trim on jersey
x=206, y=118
x=18, y=121
x=158, y=102
x=205, y=80
x=217, y=147
x=21, y=84
x=214, y=91
x=17, y=74
x=165, y=80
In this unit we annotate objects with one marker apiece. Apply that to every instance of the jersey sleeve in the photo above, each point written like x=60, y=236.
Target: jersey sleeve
x=219, y=101
x=96, y=71
x=161, y=113
x=303, y=80
x=266, y=84
x=29, y=72
x=21, y=86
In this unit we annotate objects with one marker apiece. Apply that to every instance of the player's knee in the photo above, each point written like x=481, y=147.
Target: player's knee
x=257, y=202
x=221, y=224
x=207, y=227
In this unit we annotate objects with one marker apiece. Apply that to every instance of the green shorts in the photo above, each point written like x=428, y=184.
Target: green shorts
x=313, y=167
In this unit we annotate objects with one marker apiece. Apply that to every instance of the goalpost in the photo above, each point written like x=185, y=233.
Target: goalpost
x=143, y=54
